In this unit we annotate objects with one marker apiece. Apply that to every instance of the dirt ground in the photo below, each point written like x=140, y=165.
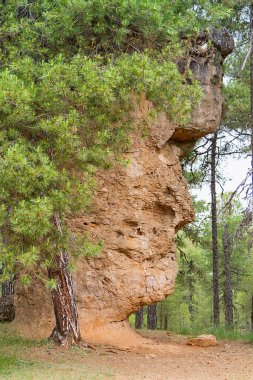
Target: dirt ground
x=165, y=357
x=227, y=361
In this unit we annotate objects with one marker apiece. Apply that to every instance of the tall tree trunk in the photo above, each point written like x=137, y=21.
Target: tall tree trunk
x=152, y=317
x=7, y=309
x=66, y=331
x=160, y=315
x=228, y=293
x=139, y=318
x=191, y=290
x=166, y=322
x=251, y=314
x=251, y=96
x=216, y=304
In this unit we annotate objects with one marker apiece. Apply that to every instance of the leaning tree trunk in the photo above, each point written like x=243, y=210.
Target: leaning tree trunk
x=66, y=331
x=139, y=318
x=216, y=303
x=152, y=317
x=228, y=293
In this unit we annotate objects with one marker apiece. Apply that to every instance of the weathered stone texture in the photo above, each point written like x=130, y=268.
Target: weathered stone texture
x=136, y=212
x=205, y=340
x=205, y=61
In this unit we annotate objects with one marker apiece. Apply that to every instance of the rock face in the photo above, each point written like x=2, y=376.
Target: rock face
x=205, y=61
x=137, y=211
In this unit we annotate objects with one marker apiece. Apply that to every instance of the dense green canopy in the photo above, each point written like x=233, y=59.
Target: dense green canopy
x=69, y=73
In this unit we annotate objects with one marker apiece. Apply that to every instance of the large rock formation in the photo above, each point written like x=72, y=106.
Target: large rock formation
x=137, y=211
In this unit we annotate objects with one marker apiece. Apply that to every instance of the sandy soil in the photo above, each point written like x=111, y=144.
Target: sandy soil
x=163, y=356
x=166, y=357
x=175, y=360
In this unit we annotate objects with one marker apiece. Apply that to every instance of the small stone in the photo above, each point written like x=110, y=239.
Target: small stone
x=152, y=356
x=203, y=341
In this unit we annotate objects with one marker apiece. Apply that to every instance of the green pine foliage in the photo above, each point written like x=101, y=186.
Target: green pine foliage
x=71, y=74
x=43, y=28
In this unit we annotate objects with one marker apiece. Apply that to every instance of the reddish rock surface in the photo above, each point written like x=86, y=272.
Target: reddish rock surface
x=137, y=211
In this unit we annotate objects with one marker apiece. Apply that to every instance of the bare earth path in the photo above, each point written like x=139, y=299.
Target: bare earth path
x=167, y=358
x=228, y=361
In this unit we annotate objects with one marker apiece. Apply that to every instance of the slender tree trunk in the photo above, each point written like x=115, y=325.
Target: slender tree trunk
x=228, y=293
x=251, y=314
x=66, y=331
x=216, y=304
x=191, y=290
x=251, y=96
x=152, y=317
x=7, y=309
x=160, y=314
x=139, y=318
x=166, y=322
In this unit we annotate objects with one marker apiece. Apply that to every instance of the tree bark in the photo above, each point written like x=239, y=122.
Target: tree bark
x=228, y=293
x=139, y=318
x=216, y=304
x=251, y=125
x=152, y=317
x=191, y=290
x=166, y=322
x=160, y=315
x=251, y=313
x=7, y=309
x=251, y=96
x=66, y=331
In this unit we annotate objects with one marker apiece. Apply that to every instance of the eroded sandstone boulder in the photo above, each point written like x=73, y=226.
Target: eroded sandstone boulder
x=204, y=340
x=137, y=211
x=205, y=61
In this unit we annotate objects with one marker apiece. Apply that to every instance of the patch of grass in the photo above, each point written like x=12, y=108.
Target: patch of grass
x=20, y=370
x=13, y=368
x=7, y=339
x=222, y=333
x=21, y=342
x=30, y=359
x=10, y=364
